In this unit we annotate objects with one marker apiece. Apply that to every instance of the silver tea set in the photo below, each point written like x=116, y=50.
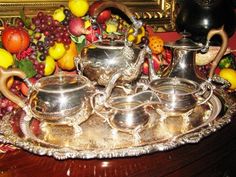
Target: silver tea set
x=72, y=98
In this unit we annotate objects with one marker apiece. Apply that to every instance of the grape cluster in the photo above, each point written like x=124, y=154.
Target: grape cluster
x=122, y=24
x=6, y=106
x=15, y=88
x=144, y=42
x=68, y=15
x=38, y=66
x=205, y=69
x=18, y=22
x=47, y=32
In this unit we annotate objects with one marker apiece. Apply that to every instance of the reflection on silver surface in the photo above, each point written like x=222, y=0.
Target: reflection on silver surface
x=100, y=141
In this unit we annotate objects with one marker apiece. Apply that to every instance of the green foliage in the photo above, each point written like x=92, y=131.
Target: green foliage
x=27, y=67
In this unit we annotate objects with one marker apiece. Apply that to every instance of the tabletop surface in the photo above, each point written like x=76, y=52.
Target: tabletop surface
x=187, y=160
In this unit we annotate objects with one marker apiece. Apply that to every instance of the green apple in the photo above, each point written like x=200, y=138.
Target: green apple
x=57, y=51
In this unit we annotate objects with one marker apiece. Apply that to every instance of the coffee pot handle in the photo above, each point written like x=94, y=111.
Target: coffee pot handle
x=222, y=49
x=4, y=75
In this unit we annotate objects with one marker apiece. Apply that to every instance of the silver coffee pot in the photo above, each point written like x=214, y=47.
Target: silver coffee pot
x=184, y=54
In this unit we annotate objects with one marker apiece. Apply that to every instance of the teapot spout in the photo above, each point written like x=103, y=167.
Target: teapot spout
x=112, y=84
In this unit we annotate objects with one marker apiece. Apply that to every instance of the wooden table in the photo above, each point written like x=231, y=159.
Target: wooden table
x=213, y=156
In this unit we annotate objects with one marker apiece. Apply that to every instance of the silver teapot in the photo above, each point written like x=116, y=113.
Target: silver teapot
x=60, y=98
x=104, y=58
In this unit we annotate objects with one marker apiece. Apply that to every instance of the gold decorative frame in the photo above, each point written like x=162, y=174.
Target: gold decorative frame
x=160, y=14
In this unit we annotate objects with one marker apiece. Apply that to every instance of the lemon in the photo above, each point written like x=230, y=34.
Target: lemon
x=78, y=7
x=50, y=66
x=57, y=50
x=87, y=24
x=59, y=14
x=111, y=27
x=136, y=39
x=6, y=58
x=229, y=75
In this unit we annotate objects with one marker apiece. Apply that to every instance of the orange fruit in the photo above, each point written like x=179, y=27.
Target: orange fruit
x=156, y=44
x=67, y=61
x=10, y=81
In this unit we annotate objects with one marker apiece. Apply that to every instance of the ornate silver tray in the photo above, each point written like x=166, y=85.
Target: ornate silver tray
x=99, y=140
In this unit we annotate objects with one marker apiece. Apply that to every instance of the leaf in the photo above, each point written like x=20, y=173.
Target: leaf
x=77, y=39
x=80, y=41
x=27, y=67
x=81, y=45
x=26, y=20
x=117, y=33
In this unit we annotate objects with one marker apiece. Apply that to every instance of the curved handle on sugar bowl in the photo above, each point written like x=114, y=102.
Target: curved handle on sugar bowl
x=205, y=86
x=4, y=76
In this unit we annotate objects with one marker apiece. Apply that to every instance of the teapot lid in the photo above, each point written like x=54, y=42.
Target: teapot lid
x=184, y=43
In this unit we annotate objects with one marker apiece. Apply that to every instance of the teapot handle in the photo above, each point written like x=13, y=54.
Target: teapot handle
x=4, y=75
x=121, y=7
x=137, y=24
x=222, y=50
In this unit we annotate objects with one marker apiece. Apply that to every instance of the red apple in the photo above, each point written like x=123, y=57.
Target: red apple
x=145, y=69
x=92, y=33
x=167, y=55
x=24, y=88
x=217, y=70
x=76, y=26
x=15, y=39
x=35, y=127
x=103, y=16
x=155, y=62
